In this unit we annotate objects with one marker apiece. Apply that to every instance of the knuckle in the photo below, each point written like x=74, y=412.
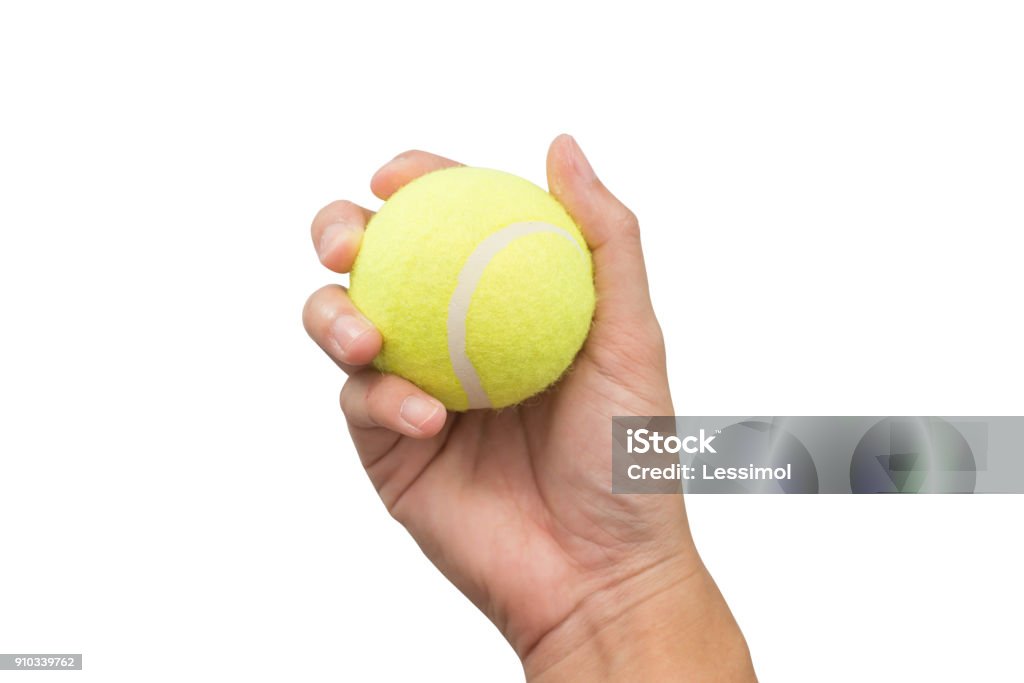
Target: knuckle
x=334, y=211
x=354, y=393
x=343, y=206
x=638, y=344
x=314, y=305
x=309, y=310
x=375, y=395
x=627, y=223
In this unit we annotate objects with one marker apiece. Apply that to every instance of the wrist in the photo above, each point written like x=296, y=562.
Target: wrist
x=668, y=623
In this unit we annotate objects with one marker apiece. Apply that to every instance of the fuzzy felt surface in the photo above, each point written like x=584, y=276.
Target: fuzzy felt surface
x=530, y=312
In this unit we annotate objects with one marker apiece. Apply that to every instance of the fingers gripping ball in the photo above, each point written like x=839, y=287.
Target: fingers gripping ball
x=480, y=284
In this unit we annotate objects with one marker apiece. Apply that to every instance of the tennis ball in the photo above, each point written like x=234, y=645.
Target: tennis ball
x=480, y=283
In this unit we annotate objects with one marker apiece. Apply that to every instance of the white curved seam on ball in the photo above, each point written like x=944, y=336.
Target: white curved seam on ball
x=458, y=307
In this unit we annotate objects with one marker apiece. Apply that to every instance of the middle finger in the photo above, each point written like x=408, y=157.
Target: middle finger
x=337, y=326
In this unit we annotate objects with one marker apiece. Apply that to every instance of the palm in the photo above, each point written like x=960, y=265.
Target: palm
x=517, y=503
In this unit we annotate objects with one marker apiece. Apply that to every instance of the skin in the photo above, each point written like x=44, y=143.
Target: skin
x=515, y=507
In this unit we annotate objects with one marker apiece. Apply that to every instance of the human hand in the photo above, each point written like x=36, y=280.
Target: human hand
x=515, y=506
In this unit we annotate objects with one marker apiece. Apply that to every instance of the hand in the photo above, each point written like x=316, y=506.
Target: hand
x=515, y=506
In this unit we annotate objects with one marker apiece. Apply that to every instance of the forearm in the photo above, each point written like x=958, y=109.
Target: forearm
x=651, y=628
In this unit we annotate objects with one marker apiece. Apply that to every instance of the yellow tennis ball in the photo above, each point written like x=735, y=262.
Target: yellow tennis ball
x=480, y=284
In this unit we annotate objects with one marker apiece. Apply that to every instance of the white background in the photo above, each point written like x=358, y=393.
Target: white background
x=831, y=199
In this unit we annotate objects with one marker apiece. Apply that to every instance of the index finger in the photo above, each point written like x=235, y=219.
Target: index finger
x=405, y=168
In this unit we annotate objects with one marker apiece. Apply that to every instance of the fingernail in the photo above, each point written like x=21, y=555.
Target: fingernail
x=346, y=328
x=416, y=411
x=334, y=235
x=580, y=163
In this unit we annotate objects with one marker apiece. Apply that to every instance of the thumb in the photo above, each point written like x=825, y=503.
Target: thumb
x=613, y=235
